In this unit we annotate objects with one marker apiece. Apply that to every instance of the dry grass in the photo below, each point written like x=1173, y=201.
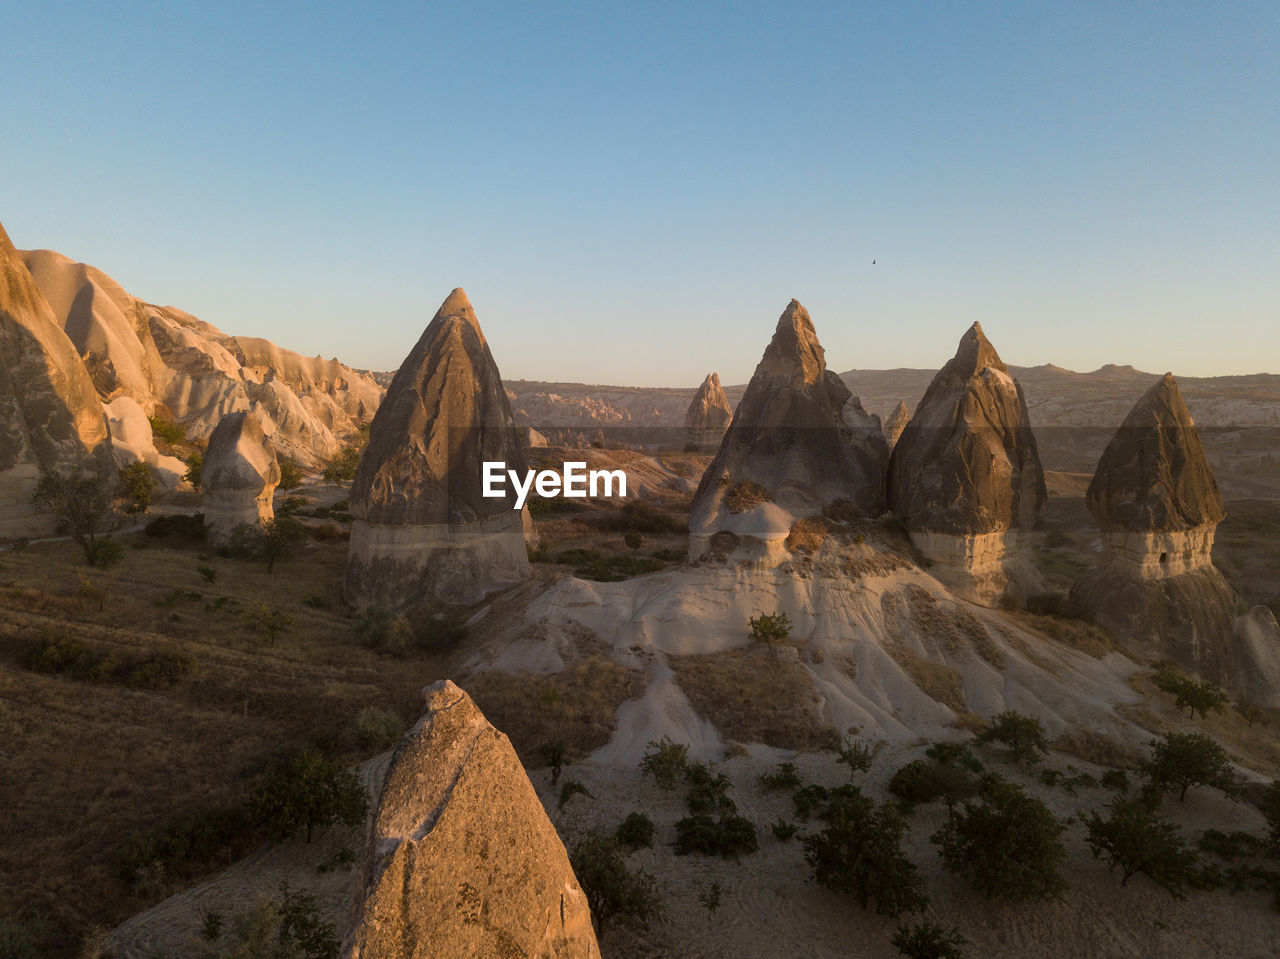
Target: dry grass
x=807, y=535
x=1093, y=747
x=577, y=706
x=91, y=764
x=937, y=680
x=756, y=695
x=743, y=496
x=1076, y=633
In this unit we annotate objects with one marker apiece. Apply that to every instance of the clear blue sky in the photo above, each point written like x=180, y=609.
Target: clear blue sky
x=631, y=193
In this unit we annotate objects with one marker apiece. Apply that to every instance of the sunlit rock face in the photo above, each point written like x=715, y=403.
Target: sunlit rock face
x=708, y=415
x=174, y=365
x=1157, y=503
x=51, y=420
x=239, y=476
x=798, y=443
x=965, y=477
x=423, y=531
x=462, y=860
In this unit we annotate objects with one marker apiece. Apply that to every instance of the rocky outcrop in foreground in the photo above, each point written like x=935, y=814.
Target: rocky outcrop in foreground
x=50, y=418
x=965, y=477
x=708, y=415
x=462, y=860
x=240, y=474
x=1157, y=504
x=423, y=531
x=799, y=443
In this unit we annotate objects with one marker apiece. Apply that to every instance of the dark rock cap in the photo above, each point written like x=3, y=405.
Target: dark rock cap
x=445, y=413
x=967, y=461
x=1153, y=475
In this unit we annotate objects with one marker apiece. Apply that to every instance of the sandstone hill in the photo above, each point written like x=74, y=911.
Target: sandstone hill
x=172, y=364
x=50, y=417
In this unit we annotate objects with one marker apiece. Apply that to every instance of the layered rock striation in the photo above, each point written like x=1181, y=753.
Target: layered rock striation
x=239, y=476
x=965, y=477
x=424, y=532
x=51, y=420
x=1157, y=504
x=708, y=415
x=462, y=859
x=799, y=442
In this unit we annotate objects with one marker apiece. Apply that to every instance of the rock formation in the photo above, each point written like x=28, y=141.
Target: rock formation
x=1257, y=657
x=172, y=364
x=50, y=416
x=965, y=477
x=708, y=415
x=132, y=439
x=423, y=531
x=799, y=442
x=1154, y=496
x=896, y=423
x=462, y=860
x=239, y=476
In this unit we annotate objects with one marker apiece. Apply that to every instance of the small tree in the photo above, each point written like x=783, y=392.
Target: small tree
x=1201, y=698
x=1182, y=760
x=136, y=487
x=272, y=623
x=855, y=754
x=613, y=891
x=306, y=792
x=928, y=941
x=859, y=852
x=291, y=475
x=710, y=899
x=1008, y=846
x=289, y=925
x=636, y=831
x=195, y=469
x=666, y=762
x=1136, y=838
x=276, y=538
x=1022, y=734
x=82, y=507
x=768, y=627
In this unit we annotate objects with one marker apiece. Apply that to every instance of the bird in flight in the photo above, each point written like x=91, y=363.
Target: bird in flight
x=873, y=262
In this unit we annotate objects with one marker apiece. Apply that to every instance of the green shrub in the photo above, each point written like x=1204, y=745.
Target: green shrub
x=636, y=831
x=859, y=852
x=666, y=762
x=135, y=488
x=613, y=891
x=187, y=845
x=378, y=729
x=708, y=791
x=633, y=540
x=1136, y=838
x=784, y=778
x=291, y=475
x=167, y=431
x=189, y=529
x=782, y=830
x=571, y=788
x=1181, y=760
x=305, y=792
x=195, y=469
x=1022, y=734
x=727, y=836
x=288, y=925
x=1008, y=846
x=670, y=555
x=768, y=627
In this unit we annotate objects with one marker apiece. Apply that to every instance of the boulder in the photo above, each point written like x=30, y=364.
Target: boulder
x=239, y=476
x=708, y=415
x=424, y=532
x=1155, y=587
x=798, y=443
x=462, y=860
x=965, y=477
x=51, y=420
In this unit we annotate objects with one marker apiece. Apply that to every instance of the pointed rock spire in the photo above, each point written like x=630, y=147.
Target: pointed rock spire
x=795, y=436
x=967, y=461
x=709, y=413
x=896, y=423
x=463, y=860
x=1153, y=475
x=445, y=414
